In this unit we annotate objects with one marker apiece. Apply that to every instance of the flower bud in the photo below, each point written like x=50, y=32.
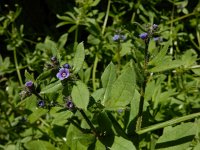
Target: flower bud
x=30, y=86
x=41, y=103
x=66, y=66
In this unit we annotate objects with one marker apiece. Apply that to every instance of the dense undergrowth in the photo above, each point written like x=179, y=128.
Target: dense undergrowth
x=91, y=74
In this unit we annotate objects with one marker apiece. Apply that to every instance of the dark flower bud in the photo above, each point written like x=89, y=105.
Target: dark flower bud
x=66, y=66
x=41, y=103
x=70, y=104
x=54, y=61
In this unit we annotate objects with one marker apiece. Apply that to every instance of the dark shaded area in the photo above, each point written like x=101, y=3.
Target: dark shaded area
x=175, y=142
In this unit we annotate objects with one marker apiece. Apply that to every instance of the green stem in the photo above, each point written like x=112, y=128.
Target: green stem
x=117, y=126
x=118, y=55
x=89, y=122
x=142, y=88
x=94, y=72
x=76, y=35
x=198, y=38
x=171, y=31
x=36, y=94
x=180, y=18
x=106, y=17
x=168, y=123
x=17, y=68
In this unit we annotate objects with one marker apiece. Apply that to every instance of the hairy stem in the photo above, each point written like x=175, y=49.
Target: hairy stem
x=17, y=67
x=106, y=17
x=142, y=88
x=167, y=123
x=118, y=55
x=94, y=72
x=89, y=122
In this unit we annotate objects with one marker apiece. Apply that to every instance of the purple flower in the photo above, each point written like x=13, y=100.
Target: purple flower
x=66, y=66
x=41, y=103
x=143, y=36
x=63, y=74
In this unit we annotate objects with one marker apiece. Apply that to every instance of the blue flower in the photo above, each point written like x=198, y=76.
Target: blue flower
x=116, y=37
x=63, y=74
x=143, y=36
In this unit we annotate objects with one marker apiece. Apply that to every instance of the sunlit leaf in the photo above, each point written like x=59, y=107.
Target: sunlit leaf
x=79, y=57
x=80, y=95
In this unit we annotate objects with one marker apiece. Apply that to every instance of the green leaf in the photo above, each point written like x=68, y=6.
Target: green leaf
x=126, y=48
x=159, y=57
x=99, y=145
x=79, y=57
x=80, y=95
x=29, y=77
x=108, y=77
x=58, y=117
x=178, y=137
x=39, y=145
x=98, y=94
x=123, y=89
x=152, y=46
x=167, y=65
x=31, y=102
x=122, y=144
x=62, y=40
x=77, y=139
x=37, y=114
x=197, y=147
x=53, y=87
x=44, y=75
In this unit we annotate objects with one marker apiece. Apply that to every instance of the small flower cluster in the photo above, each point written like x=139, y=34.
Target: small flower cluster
x=146, y=35
x=118, y=37
x=54, y=64
x=29, y=89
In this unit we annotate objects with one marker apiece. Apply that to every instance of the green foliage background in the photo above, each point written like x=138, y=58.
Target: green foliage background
x=129, y=94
